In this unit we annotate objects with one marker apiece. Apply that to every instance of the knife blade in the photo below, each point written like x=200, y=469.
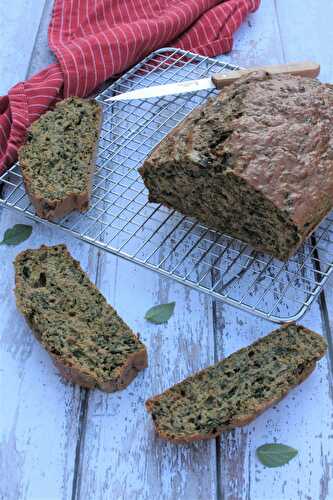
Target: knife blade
x=217, y=81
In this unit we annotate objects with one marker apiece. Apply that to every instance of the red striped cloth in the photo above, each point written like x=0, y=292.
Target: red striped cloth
x=96, y=39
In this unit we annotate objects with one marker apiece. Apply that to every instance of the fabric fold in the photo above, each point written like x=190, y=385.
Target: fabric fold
x=94, y=40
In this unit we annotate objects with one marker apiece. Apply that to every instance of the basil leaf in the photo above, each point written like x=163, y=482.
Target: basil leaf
x=160, y=314
x=275, y=454
x=16, y=234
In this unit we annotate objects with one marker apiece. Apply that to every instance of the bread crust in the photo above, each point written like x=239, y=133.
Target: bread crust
x=283, y=163
x=135, y=362
x=55, y=209
x=73, y=372
x=236, y=421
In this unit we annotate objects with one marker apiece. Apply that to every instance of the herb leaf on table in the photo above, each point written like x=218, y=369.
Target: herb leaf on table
x=161, y=313
x=275, y=454
x=16, y=234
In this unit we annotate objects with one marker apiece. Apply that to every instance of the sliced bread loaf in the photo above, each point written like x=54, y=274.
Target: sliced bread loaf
x=87, y=340
x=58, y=159
x=234, y=391
x=255, y=162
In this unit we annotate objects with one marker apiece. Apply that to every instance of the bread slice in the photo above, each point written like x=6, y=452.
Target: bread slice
x=87, y=340
x=234, y=391
x=255, y=162
x=58, y=159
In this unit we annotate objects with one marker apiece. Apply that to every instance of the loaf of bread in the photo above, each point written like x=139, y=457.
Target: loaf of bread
x=87, y=340
x=58, y=159
x=234, y=391
x=256, y=162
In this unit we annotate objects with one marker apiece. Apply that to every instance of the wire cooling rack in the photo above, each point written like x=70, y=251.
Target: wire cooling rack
x=120, y=219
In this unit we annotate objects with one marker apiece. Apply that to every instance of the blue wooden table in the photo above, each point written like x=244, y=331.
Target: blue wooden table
x=62, y=442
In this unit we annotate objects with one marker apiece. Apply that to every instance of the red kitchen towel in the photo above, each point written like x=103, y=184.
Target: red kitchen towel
x=96, y=39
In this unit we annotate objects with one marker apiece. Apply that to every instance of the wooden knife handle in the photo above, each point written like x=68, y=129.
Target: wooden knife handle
x=306, y=68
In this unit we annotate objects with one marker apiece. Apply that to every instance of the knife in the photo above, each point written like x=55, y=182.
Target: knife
x=218, y=81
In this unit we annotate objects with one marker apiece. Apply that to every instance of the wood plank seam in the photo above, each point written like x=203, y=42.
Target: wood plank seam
x=44, y=19
x=323, y=309
x=326, y=328
x=278, y=24
x=84, y=393
x=76, y=484
x=218, y=442
x=84, y=404
x=322, y=298
x=45, y=14
x=37, y=60
x=42, y=41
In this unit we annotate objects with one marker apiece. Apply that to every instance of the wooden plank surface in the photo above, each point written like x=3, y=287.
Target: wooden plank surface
x=19, y=24
x=303, y=419
x=62, y=442
x=41, y=414
x=121, y=457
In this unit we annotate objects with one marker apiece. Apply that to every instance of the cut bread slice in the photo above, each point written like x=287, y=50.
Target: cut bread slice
x=58, y=158
x=87, y=340
x=234, y=391
x=255, y=162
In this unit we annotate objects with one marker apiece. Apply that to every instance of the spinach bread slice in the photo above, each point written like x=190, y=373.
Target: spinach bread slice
x=58, y=158
x=234, y=391
x=255, y=162
x=86, y=339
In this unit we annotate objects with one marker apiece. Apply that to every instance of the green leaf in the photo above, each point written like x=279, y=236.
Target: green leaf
x=16, y=234
x=275, y=454
x=160, y=314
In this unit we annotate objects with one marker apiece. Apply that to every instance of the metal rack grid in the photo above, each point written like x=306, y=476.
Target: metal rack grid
x=120, y=219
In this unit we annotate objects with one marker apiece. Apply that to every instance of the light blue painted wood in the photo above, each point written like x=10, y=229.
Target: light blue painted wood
x=122, y=458
x=306, y=32
x=119, y=456
x=40, y=421
x=19, y=22
x=303, y=419
x=257, y=41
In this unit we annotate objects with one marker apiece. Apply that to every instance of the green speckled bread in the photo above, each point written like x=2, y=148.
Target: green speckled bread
x=58, y=158
x=255, y=162
x=87, y=340
x=234, y=391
